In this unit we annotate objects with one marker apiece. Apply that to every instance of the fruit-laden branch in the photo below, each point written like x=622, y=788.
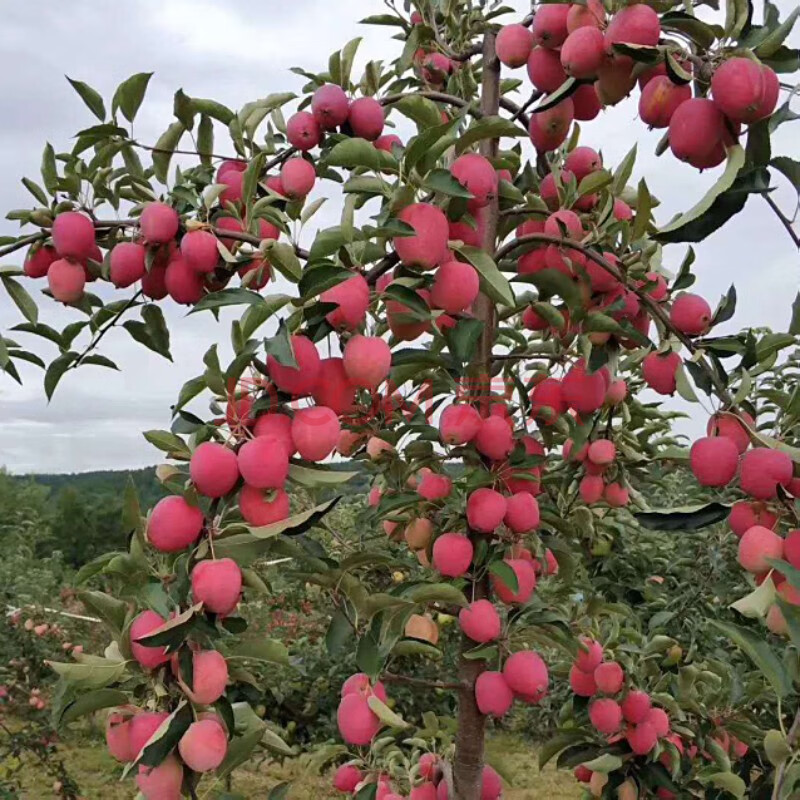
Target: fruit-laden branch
x=653, y=307
x=391, y=677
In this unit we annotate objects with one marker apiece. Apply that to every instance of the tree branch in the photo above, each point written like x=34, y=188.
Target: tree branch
x=653, y=307
x=382, y=267
x=20, y=243
x=391, y=677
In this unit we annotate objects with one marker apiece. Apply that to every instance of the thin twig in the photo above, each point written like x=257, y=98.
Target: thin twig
x=784, y=220
x=104, y=330
x=391, y=677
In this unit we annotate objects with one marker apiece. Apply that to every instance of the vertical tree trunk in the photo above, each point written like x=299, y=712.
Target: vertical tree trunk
x=468, y=764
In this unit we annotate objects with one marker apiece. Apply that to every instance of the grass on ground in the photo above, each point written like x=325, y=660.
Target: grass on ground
x=98, y=775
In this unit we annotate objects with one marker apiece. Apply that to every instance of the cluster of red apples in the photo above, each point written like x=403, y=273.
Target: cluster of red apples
x=764, y=475
x=580, y=41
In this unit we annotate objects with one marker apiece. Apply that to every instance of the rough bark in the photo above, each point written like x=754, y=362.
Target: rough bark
x=468, y=764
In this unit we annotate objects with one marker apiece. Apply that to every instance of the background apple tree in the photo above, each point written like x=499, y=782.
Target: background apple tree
x=477, y=333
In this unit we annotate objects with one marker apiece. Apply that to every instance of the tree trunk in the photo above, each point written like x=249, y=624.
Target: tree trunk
x=468, y=764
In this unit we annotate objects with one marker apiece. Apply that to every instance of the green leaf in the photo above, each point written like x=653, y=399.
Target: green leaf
x=352, y=153
x=684, y=518
x=347, y=56
x=760, y=653
x=35, y=190
x=777, y=37
x=736, y=159
x=339, y=633
x=174, y=631
x=89, y=703
x=56, y=371
x=493, y=283
x=700, y=32
x=314, y=477
x=255, y=316
x=171, y=444
x=425, y=113
x=49, y=169
x=89, y=96
x=441, y=180
x=411, y=647
x=488, y=128
x=239, y=750
x=270, y=651
x=167, y=736
x=383, y=19
x=731, y=783
x=285, y=260
x=437, y=593
x=736, y=13
x=624, y=171
x=794, y=325
x=228, y=297
x=463, y=337
x=129, y=95
x=789, y=168
x=164, y=149
x=505, y=574
x=605, y=763
x=93, y=675
x=385, y=714
x=569, y=87
x=21, y=298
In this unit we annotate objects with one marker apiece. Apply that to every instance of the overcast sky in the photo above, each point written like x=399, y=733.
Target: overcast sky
x=235, y=52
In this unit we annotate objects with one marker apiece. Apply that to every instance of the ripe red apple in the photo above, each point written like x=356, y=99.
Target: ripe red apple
x=549, y=128
x=333, y=389
x=583, y=52
x=73, y=235
x=550, y=25
x=174, y=524
x=756, y=546
x=217, y=584
x=330, y=106
x=606, y=716
x=159, y=223
x=762, y=470
x=526, y=582
x=486, y=508
x=183, y=284
x=659, y=371
x=204, y=745
x=714, y=460
x=513, y=44
x=660, y=99
x=302, y=131
x=492, y=694
x=367, y=361
x=428, y=246
x=690, y=314
x=300, y=380
x=366, y=118
x=297, y=177
x=452, y=554
x=199, y=251
x=66, y=281
x=213, y=469
x=480, y=621
x=352, y=295
x=315, y=432
x=149, y=657
x=526, y=673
